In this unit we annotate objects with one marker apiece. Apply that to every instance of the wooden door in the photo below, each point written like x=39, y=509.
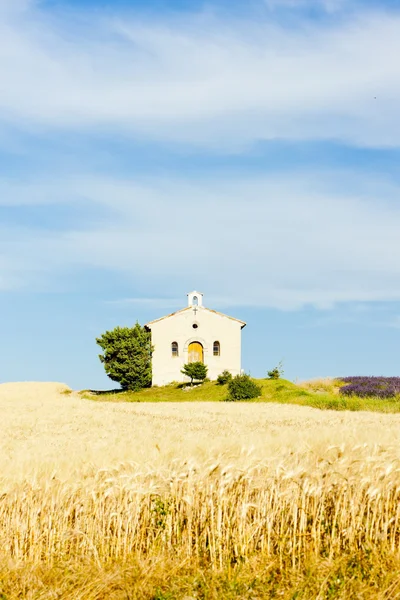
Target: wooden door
x=195, y=353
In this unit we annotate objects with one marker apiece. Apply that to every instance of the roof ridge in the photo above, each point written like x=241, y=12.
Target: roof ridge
x=216, y=312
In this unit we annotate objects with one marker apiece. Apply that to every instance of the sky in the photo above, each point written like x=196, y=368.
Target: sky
x=248, y=149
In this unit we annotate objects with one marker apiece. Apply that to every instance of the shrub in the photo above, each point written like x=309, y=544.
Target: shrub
x=224, y=378
x=364, y=387
x=277, y=372
x=195, y=370
x=242, y=387
x=127, y=356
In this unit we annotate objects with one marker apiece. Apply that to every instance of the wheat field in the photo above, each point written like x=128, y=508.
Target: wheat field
x=195, y=500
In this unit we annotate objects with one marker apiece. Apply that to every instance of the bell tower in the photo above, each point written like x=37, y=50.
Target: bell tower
x=195, y=299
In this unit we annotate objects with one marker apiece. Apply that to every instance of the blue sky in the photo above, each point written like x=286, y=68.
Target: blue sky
x=246, y=149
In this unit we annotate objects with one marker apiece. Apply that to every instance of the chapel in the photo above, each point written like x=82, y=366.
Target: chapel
x=195, y=333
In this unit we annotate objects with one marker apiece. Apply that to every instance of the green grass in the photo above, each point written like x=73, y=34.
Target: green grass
x=207, y=392
x=66, y=392
x=281, y=391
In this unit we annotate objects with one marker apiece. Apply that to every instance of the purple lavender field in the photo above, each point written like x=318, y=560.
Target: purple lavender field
x=381, y=387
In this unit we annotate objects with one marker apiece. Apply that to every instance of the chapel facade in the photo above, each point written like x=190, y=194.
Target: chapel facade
x=192, y=334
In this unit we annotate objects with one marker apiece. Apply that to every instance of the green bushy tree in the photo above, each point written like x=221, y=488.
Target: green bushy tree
x=277, y=372
x=224, y=378
x=127, y=356
x=195, y=370
x=242, y=387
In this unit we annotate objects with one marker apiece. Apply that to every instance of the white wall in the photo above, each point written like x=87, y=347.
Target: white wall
x=179, y=328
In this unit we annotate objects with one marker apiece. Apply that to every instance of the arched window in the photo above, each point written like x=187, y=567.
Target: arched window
x=195, y=301
x=175, y=349
x=216, y=349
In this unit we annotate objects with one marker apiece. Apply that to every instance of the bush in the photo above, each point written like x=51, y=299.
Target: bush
x=277, y=372
x=195, y=370
x=242, y=387
x=224, y=378
x=127, y=356
x=364, y=387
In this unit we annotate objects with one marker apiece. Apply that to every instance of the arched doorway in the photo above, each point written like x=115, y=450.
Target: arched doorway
x=195, y=352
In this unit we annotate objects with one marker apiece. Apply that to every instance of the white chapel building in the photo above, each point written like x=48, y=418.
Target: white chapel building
x=193, y=334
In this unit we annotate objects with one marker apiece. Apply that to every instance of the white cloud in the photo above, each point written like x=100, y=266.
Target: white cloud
x=283, y=241
x=394, y=323
x=15, y=6
x=329, y=6
x=202, y=80
x=167, y=303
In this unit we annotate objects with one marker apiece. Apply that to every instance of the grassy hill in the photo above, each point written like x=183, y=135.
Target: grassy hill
x=322, y=394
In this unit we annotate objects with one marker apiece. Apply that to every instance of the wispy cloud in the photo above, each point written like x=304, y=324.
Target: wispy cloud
x=171, y=303
x=201, y=79
x=276, y=241
x=393, y=323
x=282, y=240
x=330, y=6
